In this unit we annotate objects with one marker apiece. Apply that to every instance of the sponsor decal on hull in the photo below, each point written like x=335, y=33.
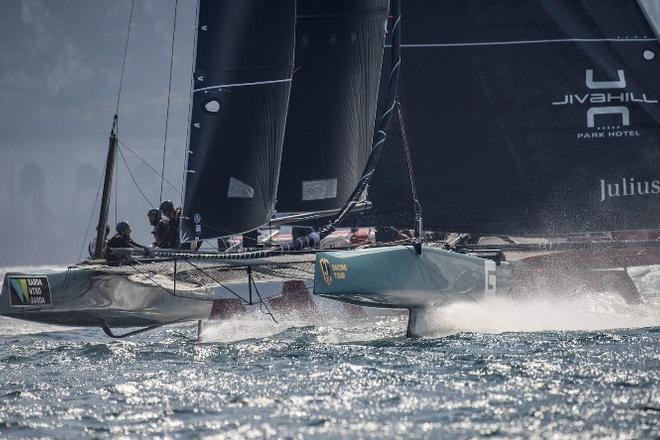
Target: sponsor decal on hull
x=332, y=271
x=29, y=291
x=326, y=271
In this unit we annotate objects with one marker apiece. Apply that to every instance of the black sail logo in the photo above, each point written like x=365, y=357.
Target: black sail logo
x=325, y=270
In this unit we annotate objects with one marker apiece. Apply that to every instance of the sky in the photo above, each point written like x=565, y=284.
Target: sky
x=60, y=64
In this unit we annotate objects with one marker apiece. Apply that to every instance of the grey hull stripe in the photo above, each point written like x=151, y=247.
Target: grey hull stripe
x=226, y=86
x=511, y=43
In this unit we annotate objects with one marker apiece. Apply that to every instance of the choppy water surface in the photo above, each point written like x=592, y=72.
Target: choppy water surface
x=548, y=368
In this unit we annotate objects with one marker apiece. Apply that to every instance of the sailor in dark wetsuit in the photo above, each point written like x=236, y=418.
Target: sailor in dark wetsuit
x=172, y=240
x=122, y=239
x=160, y=225
x=171, y=237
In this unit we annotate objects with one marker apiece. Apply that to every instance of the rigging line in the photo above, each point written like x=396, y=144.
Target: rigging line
x=123, y=64
x=134, y=267
x=520, y=42
x=130, y=174
x=91, y=217
x=149, y=166
x=411, y=172
x=217, y=281
x=169, y=96
x=190, y=105
x=116, y=173
x=254, y=83
x=116, y=187
x=137, y=264
x=262, y=303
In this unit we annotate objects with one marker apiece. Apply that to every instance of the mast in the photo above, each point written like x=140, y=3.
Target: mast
x=99, y=250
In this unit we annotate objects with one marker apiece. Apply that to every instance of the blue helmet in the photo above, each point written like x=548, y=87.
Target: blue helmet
x=123, y=227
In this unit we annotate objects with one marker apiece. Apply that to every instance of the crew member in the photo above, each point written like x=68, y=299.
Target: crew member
x=122, y=239
x=171, y=236
x=160, y=226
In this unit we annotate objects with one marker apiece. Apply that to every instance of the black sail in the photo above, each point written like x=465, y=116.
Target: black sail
x=527, y=117
x=242, y=81
x=339, y=50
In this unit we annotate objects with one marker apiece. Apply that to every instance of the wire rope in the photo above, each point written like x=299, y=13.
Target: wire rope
x=121, y=87
x=123, y=64
x=169, y=97
x=419, y=227
x=91, y=217
x=130, y=174
x=144, y=161
x=190, y=104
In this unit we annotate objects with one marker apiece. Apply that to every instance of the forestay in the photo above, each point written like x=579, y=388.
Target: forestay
x=529, y=117
x=242, y=81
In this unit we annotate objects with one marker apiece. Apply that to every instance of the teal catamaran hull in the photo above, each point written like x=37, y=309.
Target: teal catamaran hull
x=399, y=277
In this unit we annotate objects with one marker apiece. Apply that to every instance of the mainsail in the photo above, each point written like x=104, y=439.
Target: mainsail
x=339, y=50
x=242, y=81
x=528, y=117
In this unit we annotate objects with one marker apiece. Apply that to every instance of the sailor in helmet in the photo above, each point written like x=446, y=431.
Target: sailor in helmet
x=121, y=240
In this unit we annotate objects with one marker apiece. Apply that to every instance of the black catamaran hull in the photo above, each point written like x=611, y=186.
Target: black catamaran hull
x=87, y=297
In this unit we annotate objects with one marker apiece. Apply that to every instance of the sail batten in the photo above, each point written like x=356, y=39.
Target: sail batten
x=254, y=83
x=242, y=82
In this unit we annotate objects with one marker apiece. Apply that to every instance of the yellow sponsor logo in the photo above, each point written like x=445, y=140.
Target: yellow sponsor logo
x=339, y=271
x=325, y=270
x=332, y=271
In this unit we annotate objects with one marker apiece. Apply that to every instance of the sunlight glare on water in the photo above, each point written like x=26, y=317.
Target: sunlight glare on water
x=565, y=368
